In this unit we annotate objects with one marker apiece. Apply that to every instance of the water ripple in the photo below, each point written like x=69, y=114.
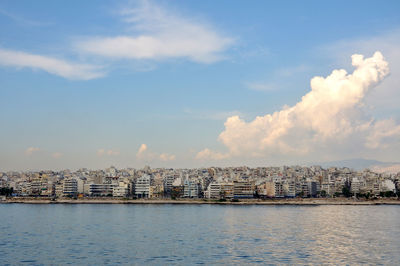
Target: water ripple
x=188, y=234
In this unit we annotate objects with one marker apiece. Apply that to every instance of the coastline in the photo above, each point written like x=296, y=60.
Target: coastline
x=295, y=201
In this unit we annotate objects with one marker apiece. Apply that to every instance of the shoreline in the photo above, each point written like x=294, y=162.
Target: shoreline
x=295, y=202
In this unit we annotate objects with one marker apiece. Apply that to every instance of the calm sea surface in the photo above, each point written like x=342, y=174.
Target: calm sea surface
x=198, y=234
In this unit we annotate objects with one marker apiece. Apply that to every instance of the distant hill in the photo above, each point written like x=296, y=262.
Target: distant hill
x=360, y=164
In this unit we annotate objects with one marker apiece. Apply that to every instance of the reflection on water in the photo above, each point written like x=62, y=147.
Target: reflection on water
x=190, y=234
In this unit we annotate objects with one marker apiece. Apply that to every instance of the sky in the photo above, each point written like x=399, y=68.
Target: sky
x=197, y=83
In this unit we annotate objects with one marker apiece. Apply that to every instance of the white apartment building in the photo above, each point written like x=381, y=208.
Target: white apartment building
x=213, y=191
x=142, y=186
x=355, y=185
x=122, y=190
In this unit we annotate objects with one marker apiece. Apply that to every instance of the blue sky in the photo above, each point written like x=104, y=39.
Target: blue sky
x=129, y=83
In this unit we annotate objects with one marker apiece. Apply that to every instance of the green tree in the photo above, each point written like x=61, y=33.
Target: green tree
x=389, y=194
x=6, y=191
x=346, y=192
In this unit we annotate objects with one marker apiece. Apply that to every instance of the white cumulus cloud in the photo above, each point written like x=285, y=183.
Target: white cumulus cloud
x=62, y=68
x=329, y=116
x=208, y=154
x=160, y=34
x=141, y=151
x=103, y=152
x=145, y=154
x=166, y=157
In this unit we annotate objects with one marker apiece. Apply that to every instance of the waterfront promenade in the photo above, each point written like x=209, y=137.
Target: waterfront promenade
x=295, y=201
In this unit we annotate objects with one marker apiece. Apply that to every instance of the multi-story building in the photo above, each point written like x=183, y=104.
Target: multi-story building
x=59, y=189
x=213, y=191
x=355, y=185
x=289, y=189
x=168, y=181
x=142, y=186
x=218, y=182
x=312, y=188
x=122, y=190
x=101, y=190
x=191, y=189
x=279, y=190
x=243, y=189
x=227, y=190
x=36, y=187
x=70, y=188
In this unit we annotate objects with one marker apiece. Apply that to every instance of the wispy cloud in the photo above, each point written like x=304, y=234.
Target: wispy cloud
x=157, y=34
x=210, y=114
x=290, y=71
x=260, y=86
x=104, y=152
x=29, y=151
x=51, y=65
x=160, y=34
x=23, y=20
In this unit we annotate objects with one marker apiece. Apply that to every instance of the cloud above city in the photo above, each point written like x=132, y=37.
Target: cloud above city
x=105, y=152
x=144, y=154
x=329, y=116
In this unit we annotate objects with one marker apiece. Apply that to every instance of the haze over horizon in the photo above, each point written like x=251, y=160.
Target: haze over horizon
x=188, y=84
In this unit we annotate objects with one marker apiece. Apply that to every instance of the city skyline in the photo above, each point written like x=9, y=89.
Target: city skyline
x=211, y=183
x=187, y=84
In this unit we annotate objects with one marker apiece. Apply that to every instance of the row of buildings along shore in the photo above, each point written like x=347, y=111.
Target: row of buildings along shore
x=212, y=183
